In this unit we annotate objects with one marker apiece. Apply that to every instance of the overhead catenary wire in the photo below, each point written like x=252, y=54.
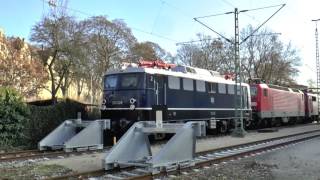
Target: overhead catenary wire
x=230, y=4
x=227, y=39
x=282, y=5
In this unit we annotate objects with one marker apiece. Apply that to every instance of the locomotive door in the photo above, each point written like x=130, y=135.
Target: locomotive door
x=160, y=87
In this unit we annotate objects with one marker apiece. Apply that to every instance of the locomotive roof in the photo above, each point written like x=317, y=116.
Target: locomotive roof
x=200, y=74
x=263, y=85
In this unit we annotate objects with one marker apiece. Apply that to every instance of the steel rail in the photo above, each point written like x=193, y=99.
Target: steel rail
x=35, y=154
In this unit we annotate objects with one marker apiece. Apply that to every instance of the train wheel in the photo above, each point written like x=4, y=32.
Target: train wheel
x=223, y=127
x=262, y=123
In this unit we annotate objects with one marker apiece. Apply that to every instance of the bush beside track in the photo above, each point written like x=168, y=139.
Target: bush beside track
x=13, y=118
x=24, y=125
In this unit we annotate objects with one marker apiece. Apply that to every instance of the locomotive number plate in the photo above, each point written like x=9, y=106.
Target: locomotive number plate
x=116, y=102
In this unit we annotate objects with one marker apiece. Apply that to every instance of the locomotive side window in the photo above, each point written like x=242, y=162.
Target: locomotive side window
x=222, y=88
x=314, y=98
x=230, y=89
x=174, y=82
x=188, y=84
x=212, y=87
x=265, y=92
x=201, y=86
x=110, y=82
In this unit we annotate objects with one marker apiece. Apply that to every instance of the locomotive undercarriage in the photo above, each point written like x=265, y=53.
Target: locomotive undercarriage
x=216, y=121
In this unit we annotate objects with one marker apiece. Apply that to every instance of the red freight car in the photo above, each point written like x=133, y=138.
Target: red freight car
x=273, y=105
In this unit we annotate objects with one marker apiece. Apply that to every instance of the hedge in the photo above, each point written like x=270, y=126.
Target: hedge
x=44, y=119
x=13, y=118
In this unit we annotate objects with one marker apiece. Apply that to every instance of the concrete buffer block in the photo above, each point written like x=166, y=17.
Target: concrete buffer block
x=67, y=136
x=133, y=149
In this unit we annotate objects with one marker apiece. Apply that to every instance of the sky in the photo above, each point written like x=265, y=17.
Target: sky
x=168, y=22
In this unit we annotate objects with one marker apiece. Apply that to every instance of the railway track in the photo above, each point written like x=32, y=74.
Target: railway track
x=35, y=154
x=203, y=159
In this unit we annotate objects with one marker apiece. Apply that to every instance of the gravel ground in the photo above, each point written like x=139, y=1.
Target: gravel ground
x=296, y=162
x=30, y=169
x=247, y=169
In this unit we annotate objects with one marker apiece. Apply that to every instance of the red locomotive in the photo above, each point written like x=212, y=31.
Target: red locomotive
x=274, y=105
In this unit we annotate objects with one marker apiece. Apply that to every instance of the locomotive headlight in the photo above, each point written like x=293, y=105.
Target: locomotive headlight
x=104, y=101
x=132, y=100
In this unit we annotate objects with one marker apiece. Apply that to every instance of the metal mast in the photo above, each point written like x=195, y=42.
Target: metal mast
x=238, y=100
x=317, y=62
x=239, y=130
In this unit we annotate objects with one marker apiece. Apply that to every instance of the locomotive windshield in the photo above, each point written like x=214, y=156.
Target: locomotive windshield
x=253, y=90
x=124, y=81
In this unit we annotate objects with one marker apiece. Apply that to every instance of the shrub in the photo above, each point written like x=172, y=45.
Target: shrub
x=13, y=117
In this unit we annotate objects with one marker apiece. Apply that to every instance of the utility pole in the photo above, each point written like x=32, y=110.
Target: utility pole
x=238, y=100
x=317, y=61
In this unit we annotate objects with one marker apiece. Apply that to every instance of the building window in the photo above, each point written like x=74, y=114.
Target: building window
x=201, y=86
x=222, y=88
x=230, y=89
x=174, y=82
x=188, y=84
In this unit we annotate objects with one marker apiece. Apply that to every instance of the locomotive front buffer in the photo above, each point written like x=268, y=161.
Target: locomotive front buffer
x=133, y=149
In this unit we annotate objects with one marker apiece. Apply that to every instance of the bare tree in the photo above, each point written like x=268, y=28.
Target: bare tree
x=56, y=37
x=265, y=56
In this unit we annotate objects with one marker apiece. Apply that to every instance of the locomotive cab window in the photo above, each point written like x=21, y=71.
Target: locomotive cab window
x=110, y=82
x=222, y=88
x=124, y=81
x=174, y=82
x=265, y=92
x=253, y=90
x=201, y=86
x=129, y=81
x=188, y=84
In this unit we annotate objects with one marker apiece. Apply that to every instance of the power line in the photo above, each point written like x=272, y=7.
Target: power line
x=189, y=42
x=176, y=8
x=157, y=17
x=154, y=34
x=133, y=28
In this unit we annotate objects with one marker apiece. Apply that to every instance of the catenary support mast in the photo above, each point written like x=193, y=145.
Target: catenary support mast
x=317, y=61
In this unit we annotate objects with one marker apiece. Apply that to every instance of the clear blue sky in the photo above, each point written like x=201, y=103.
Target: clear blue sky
x=173, y=19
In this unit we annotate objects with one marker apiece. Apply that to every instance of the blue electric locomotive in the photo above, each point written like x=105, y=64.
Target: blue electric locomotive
x=182, y=93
